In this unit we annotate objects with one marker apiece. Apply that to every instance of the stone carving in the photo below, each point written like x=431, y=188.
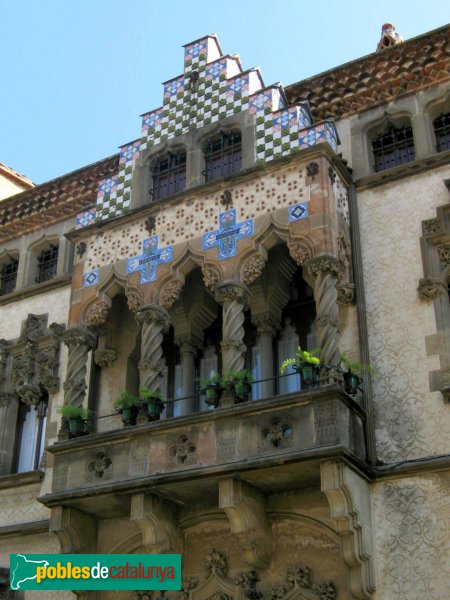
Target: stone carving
x=247, y=582
x=234, y=299
x=99, y=465
x=253, y=269
x=226, y=199
x=33, y=327
x=138, y=458
x=183, y=451
x=300, y=578
x=97, y=314
x=278, y=434
x=29, y=394
x=171, y=293
x=156, y=519
x=431, y=288
x=143, y=595
x=155, y=321
x=105, y=357
x=210, y=278
x=134, y=300
x=431, y=226
x=188, y=584
x=346, y=293
x=265, y=323
x=299, y=252
x=444, y=257
x=312, y=169
x=331, y=174
x=80, y=341
x=216, y=562
x=150, y=223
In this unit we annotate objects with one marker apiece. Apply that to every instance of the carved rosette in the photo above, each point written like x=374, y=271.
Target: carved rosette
x=325, y=271
x=235, y=298
x=171, y=293
x=299, y=252
x=80, y=341
x=97, y=314
x=155, y=321
x=431, y=288
x=253, y=268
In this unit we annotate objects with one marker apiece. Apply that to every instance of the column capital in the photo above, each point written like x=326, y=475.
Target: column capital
x=325, y=264
x=97, y=314
x=233, y=291
x=79, y=336
x=153, y=313
x=265, y=323
x=187, y=343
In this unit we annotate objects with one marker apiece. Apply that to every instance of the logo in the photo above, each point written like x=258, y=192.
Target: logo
x=95, y=572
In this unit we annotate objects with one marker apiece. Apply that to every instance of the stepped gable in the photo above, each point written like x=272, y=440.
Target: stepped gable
x=377, y=78
x=53, y=201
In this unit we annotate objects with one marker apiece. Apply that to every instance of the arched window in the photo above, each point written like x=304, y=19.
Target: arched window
x=223, y=155
x=168, y=175
x=8, y=275
x=31, y=435
x=393, y=147
x=442, y=132
x=47, y=262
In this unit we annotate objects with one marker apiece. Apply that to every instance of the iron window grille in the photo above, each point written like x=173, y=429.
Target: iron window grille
x=169, y=175
x=223, y=156
x=393, y=147
x=47, y=264
x=8, y=276
x=442, y=132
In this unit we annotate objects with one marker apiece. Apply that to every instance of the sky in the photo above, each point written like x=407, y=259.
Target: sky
x=76, y=74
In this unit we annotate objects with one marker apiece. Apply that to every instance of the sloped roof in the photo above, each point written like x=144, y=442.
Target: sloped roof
x=15, y=176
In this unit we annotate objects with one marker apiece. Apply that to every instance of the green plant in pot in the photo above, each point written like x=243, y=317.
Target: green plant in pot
x=76, y=417
x=128, y=406
x=154, y=402
x=240, y=384
x=353, y=373
x=212, y=389
x=307, y=364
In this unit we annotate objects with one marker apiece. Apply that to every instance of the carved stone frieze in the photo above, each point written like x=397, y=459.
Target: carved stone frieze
x=105, y=357
x=253, y=268
x=431, y=288
x=346, y=293
x=299, y=252
x=171, y=293
x=97, y=314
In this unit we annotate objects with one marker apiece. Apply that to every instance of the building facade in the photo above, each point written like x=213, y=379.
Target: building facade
x=246, y=220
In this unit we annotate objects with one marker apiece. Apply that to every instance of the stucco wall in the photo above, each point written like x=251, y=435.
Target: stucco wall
x=411, y=421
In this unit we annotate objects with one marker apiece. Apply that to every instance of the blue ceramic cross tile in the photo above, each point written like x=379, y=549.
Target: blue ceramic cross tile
x=149, y=260
x=90, y=278
x=298, y=211
x=228, y=233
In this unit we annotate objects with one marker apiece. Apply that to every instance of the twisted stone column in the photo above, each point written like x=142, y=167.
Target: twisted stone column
x=324, y=272
x=155, y=322
x=80, y=341
x=235, y=298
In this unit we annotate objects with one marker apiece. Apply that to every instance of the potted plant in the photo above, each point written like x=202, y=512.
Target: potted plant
x=76, y=417
x=212, y=389
x=128, y=406
x=240, y=384
x=307, y=364
x=154, y=402
x=353, y=373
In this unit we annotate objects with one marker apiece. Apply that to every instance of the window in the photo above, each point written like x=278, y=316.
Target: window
x=223, y=156
x=31, y=434
x=168, y=175
x=8, y=276
x=393, y=147
x=47, y=262
x=442, y=132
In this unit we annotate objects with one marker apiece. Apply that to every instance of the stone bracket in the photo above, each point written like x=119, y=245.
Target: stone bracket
x=348, y=495
x=246, y=511
x=156, y=520
x=76, y=530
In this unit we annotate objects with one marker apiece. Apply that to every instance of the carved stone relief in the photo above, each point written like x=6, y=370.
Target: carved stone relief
x=276, y=434
x=253, y=268
x=183, y=451
x=99, y=468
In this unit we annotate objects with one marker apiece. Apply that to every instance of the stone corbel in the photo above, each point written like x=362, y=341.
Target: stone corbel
x=246, y=511
x=346, y=293
x=76, y=531
x=156, y=520
x=431, y=288
x=348, y=495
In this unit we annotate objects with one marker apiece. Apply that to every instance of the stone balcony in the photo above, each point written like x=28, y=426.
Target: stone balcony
x=274, y=444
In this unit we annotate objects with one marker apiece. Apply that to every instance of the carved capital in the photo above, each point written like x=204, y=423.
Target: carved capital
x=156, y=520
x=155, y=366
x=29, y=394
x=299, y=252
x=265, y=323
x=188, y=344
x=79, y=336
x=346, y=293
x=171, y=293
x=74, y=385
x=76, y=531
x=236, y=345
x=105, y=357
x=152, y=313
x=324, y=264
x=97, y=314
x=245, y=509
x=232, y=292
x=431, y=288
x=253, y=268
